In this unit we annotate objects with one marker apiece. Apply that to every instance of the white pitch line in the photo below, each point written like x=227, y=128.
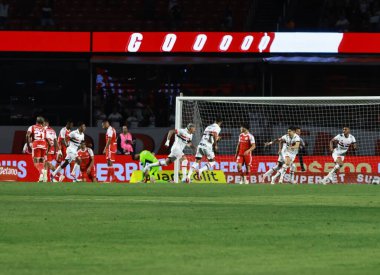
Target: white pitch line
x=120, y=199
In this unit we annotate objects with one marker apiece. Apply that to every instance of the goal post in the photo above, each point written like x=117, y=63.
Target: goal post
x=320, y=119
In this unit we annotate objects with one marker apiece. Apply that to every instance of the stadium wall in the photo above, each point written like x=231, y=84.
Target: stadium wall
x=355, y=170
x=317, y=139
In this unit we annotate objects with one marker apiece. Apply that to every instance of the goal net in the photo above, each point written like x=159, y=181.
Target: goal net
x=320, y=120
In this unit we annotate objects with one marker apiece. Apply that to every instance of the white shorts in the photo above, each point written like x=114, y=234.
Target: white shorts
x=176, y=153
x=282, y=157
x=205, y=151
x=335, y=156
x=71, y=154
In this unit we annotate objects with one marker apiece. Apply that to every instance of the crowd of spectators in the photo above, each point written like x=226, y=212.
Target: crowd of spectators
x=4, y=12
x=123, y=100
x=113, y=15
x=142, y=96
x=351, y=15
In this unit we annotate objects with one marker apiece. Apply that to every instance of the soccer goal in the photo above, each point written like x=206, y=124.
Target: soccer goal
x=320, y=119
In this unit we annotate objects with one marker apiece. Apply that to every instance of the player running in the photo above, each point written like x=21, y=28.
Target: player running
x=36, y=138
x=244, y=150
x=147, y=158
x=110, y=149
x=53, y=150
x=207, y=147
x=76, y=137
x=301, y=150
x=343, y=142
x=183, y=138
x=288, y=149
x=63, y=138
x=85, y=159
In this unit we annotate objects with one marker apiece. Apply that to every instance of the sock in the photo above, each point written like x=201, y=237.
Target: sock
x=39, y=166
x=50, y=172
x=74, y=171
x=283, y=171
x=154, y=164
x=110, y=173
x=269, y=172
x=59, y=168
x=184, y=168
x=240, y=172
x=81, y=175
x=193, y=167
x=248, y=174
x=334, y=170
x=292, y=170
x=276, y=176
x=44, y=174
x=208, y=166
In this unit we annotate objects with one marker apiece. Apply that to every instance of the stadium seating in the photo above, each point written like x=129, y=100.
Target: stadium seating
x=126, y=15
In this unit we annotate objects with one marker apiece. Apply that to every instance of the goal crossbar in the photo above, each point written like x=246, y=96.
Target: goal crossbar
x=319, y=115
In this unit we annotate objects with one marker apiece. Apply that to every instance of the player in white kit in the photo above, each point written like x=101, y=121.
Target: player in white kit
x=343, y=142
x=288, y=150
x=183, y=138
x=206, y=147
x=76, y=137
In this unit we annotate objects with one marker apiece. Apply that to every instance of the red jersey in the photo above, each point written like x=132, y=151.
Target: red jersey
x=245, y=142
x=51, y=136
x=111, y=135
x=85, y=156
x=63, y=135
x=38, y=134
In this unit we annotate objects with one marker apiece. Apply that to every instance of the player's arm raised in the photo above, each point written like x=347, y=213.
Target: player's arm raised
x=277, y=140
x=355, y=146
x=170, y=134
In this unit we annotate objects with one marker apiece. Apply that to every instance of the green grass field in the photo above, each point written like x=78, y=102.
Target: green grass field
x=189, y=229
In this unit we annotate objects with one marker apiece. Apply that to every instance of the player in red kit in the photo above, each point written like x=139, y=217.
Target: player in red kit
x=110, y=149
x=244, y=152
x=86, y=163
x=63, y=138
x=36, y=137
x=53, y=150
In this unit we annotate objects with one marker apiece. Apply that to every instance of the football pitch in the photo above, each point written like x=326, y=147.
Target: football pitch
x=84, y=228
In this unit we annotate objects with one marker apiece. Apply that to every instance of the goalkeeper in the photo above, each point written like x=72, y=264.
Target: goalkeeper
x=146, y=158
x=183, y=138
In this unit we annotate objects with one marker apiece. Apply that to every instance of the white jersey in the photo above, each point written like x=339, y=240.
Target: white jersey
x=62, y=133
x=343, y=143
x=182, y=138
x=207, y=139
x=75, y=139
x=290, y=141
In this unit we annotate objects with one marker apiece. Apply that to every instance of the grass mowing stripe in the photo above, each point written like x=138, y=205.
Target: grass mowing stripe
x=188, y=229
